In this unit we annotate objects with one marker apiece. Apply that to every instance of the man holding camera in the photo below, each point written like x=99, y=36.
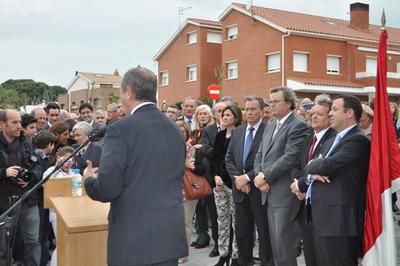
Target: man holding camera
x=18, y=173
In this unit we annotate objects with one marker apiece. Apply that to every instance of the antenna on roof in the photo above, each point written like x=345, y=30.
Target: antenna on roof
x=181, y=11
x=249, y=4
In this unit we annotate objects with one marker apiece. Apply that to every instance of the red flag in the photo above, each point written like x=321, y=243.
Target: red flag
x=383, y=176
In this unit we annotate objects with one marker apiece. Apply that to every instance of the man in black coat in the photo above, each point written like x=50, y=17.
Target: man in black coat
x=140, y=173
x=239, y=162
x=321, y=132
x=207, y=141
x=16, y=155
x=336, y=192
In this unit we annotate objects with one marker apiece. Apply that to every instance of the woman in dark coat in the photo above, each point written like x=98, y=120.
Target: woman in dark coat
x=231, y=118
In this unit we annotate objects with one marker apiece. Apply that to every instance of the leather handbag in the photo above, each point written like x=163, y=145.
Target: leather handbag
x=195, y=186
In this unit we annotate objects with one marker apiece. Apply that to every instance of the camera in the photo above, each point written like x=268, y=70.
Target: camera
x=24, y=174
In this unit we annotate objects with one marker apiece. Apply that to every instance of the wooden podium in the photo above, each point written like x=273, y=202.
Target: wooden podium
x=82, y=230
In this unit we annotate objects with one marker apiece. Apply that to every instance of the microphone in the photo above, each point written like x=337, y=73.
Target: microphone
x=97, y=134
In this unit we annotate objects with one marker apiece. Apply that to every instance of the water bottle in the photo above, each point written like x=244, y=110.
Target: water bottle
x=76, y=183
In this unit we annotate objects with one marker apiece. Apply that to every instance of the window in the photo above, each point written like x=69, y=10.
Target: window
x=232, y=70
x=164, y=78
x=398, y=67
x=232, y=32
x=274, y=62
x=192, y=73
x=370, y=67
x=106, y=86
x=214, y=37
x=192, y=37
x=300, y=62
x=96, y=102
x=333, y=65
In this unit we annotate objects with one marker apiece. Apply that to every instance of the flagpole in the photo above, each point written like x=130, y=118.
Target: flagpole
x=379, y=246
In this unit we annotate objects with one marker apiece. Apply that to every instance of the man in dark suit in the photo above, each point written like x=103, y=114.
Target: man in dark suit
x=275, y=162
x=320, y=133
x=144, y=186
x=239, y=162
x=188, y=108
x=86, y=112
x=336, y=195
x=207, y=142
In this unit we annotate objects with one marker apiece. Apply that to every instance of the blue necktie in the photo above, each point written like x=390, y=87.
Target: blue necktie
x=247, y=145
x=189, y=122
x=308, y=194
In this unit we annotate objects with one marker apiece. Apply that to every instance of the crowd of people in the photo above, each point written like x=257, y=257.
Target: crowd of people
x=287, y=173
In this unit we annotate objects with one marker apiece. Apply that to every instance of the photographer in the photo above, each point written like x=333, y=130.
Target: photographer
x=18, y=173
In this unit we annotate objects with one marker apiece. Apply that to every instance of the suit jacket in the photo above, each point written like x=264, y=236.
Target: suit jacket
x=218, y=166
x=278, y=157
x=338, y=206
x=92, y=153
x=234, y=164
x=98, y=130
x=140, y=173
x=302, y=178
x=207, y=141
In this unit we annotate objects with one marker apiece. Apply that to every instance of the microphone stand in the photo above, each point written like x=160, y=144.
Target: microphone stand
x=5, y=220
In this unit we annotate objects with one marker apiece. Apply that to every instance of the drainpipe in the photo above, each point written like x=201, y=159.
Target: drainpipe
x=283, y=57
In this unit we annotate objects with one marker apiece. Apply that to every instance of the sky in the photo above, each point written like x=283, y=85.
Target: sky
x=48, y=40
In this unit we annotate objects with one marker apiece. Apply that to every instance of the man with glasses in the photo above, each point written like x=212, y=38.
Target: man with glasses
x=112, y=113
x=86, y=113
x=274, y=165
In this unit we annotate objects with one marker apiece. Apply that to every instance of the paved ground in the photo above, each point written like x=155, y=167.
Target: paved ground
x=199, y=257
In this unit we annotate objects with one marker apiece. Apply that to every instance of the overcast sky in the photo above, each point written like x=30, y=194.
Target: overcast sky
x=48, y=40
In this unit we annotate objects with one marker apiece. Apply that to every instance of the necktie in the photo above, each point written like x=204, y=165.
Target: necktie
x=308, y=194
x=189, y=122
x=247, y=145
x=278, y=126
x=312, y=148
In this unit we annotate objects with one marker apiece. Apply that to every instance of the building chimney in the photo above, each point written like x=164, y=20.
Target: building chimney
x=116, y=72
x=359, y=16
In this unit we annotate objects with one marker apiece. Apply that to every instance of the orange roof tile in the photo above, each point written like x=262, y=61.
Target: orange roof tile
x=206, y=23
x=320, y=25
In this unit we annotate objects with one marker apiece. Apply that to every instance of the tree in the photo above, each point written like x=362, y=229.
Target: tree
x=28, y=91
x=112, y=98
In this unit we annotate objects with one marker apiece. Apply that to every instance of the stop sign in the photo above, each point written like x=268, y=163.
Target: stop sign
x=213, y=91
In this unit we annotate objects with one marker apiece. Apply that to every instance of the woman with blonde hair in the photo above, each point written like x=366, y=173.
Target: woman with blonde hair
x=202, y=117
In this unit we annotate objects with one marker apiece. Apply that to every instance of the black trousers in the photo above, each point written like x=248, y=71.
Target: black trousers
x=306, y=235
x=247, y=214
x=333, y=250
x=201, y=217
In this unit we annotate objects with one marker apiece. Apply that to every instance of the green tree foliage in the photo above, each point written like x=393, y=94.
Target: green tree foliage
x=112, y=98
x=21, y=92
